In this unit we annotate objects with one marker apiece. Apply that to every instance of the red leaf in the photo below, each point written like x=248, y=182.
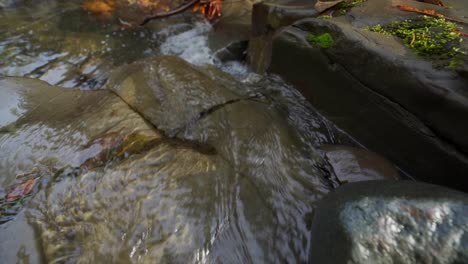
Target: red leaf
x=21, y=190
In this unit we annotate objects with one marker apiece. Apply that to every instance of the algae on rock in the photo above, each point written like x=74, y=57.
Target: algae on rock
x=427, y=36
x=324, y=40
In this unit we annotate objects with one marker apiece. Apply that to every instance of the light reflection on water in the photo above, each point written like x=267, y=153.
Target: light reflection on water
x=62, y=44
x=250, y=202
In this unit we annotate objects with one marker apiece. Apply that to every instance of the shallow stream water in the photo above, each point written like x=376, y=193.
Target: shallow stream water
x=172, y=203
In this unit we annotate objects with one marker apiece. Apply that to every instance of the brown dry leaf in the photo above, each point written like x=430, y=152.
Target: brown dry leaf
x=147, y=4
x=214, y=10
x=428, y=12
x=199, y=7
x=209, y=9
x=154, y=6
x=99, y=7
x=464, y=34
x=21, y=190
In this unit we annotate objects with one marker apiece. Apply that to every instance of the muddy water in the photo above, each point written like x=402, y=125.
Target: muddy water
x=171, y=201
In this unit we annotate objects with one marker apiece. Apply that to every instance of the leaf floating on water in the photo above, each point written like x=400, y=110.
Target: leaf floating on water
x=210, y=9
x=21, y=190
x=99, y=7
x=154, y=6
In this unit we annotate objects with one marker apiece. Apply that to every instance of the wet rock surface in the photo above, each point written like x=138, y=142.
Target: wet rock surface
x=267, y=18
x=62, y=44
x=374, y=77
x=236, y=180
x=178, y=163
x=236, y=51
x=391, y=222
x=51, y=132
x=169, y=92
x=353, y=164
x=48, y=118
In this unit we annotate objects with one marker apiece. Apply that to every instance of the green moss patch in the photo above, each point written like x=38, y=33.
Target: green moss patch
x=324, y=40
x=427, y=36
x=344, y=7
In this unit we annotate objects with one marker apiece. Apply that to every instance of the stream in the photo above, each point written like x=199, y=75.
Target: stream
x=235, y=185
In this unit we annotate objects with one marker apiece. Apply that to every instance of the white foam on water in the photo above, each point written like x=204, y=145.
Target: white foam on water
x=191, y=45
x=235, y=68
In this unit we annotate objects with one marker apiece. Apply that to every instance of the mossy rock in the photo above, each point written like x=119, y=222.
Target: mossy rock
x=431, y=37
x=324, y=40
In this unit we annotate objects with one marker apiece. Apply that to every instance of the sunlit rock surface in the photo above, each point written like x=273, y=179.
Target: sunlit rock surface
x=234, y=182
x=391, y=222
x=245, y=129
x=168, y=91
x=50, y=126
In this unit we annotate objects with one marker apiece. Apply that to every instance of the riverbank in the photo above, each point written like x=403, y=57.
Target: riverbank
x=166, y=148
x=397, y=103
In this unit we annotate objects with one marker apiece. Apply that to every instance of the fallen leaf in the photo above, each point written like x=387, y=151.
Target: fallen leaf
x=99, y=7
x=147, y=4
x=428, y=12
x=210, y=9
x=214, y=10
x=199, y=7
x=21, y=190
x=434, y=2
x=409, y=8
x=461, y=33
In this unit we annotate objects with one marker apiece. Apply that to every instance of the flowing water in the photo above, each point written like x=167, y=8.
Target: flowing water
x=251, y=200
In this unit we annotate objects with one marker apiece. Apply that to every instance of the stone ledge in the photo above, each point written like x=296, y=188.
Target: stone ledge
x=348, y=93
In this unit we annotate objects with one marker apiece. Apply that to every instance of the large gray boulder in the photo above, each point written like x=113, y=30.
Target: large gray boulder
x=391, y=222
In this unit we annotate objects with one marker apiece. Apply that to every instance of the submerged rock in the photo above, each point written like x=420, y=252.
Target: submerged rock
x=246, y=130
x=45, y=128
x=233, y=175
x=391, y=222
x=46, y=134
x=235, y=51
x=168, y=91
